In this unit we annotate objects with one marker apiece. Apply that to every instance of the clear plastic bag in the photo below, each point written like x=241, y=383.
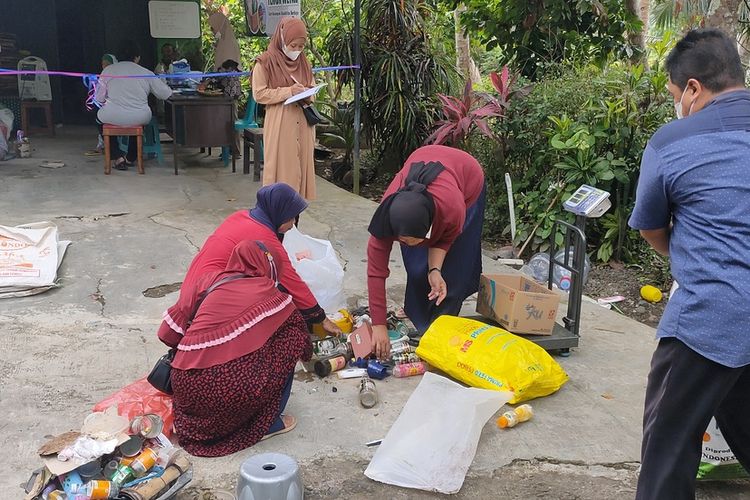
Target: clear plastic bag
x=316, y=263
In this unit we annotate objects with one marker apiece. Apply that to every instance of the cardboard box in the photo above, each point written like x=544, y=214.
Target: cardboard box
x=518, y=304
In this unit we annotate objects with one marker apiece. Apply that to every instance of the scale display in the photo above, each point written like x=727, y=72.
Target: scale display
x=588, y=201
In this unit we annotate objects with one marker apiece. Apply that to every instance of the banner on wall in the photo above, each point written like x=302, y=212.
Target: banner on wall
x=264, y=15
x=174, y=19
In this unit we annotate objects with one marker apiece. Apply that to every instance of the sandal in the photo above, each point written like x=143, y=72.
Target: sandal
x=94, y=152
x=289, y=424
x=120, y=164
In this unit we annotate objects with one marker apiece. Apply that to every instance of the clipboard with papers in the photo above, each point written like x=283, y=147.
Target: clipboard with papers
x=304, y=95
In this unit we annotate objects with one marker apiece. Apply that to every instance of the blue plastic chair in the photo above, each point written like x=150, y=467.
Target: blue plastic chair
x=151, y=141
x=249, y=121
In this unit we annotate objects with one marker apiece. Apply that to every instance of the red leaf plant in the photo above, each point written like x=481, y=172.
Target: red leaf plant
x=472, y=110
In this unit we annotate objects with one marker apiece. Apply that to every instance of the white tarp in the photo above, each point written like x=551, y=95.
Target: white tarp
x=433, y=442
x=29, y=257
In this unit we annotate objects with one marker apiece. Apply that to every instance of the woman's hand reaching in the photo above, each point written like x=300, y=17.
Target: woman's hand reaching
x=381, y=344
x=438, y=288
x=331, y=327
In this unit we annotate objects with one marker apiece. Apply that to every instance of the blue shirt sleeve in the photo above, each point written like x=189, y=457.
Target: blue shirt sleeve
x=651, y=209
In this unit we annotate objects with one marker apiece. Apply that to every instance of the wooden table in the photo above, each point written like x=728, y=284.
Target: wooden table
x=200, y=121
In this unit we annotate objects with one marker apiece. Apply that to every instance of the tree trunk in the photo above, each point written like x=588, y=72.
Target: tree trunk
x=725, y=17
x=636, y=38
x=465, y=64
x=644, y=12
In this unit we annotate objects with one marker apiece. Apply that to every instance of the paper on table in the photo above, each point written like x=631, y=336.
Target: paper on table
x=304, y=95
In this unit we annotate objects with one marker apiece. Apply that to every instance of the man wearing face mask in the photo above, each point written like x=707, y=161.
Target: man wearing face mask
x=281, y=72
x=693, y=204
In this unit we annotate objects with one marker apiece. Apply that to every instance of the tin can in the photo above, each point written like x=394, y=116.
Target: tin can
x=401, y=348
x=57, y=495
x=122, y=475
x=404, y=358
x=409, y=369
x=132, y=447
x=148, y=426
x=144, y=462
x=100, y=490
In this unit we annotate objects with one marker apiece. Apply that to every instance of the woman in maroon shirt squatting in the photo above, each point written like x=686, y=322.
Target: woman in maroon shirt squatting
x=277, y=207
x=435, y=209
x=237, y=339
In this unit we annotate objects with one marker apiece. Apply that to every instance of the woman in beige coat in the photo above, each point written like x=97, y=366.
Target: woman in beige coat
x=281, y=72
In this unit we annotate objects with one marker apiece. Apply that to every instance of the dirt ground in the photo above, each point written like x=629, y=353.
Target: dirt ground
x=609, y=280
x=341, y=477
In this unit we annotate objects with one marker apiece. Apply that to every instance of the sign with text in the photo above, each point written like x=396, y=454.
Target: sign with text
x=174, y=19
x=264, y=15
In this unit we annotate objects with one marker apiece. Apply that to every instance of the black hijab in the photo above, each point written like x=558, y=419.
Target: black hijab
x=408, y=211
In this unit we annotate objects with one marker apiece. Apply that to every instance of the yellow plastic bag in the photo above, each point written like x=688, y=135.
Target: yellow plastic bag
x=489, y=357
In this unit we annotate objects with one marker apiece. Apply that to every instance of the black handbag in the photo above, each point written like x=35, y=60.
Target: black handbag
x=161, y=374
x=312, y=115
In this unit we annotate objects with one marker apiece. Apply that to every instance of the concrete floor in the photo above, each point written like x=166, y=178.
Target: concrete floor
x=66, y=349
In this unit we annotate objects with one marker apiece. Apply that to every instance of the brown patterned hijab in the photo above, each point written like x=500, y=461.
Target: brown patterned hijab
x=279, y=68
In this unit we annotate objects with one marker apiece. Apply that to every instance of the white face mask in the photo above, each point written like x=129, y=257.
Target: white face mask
x=292, y=54
x=678, y=106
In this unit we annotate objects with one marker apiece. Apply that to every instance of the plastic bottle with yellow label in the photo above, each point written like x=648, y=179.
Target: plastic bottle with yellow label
x=516, y=416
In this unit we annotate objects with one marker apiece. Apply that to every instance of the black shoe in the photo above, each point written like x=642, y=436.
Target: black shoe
x=121, y=164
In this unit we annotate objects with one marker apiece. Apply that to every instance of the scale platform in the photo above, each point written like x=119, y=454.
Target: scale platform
x=561, y=339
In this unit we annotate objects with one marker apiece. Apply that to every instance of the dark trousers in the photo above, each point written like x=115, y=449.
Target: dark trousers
x=461, y=271
x=278, y=424
x=114, y=147
x=684, y=390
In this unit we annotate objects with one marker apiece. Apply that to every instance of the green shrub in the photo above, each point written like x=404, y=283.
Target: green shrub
x=577, y=126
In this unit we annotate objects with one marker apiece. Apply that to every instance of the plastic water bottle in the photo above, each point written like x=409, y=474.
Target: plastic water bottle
x=562, y=277
x=538, y=267
x=516, y=416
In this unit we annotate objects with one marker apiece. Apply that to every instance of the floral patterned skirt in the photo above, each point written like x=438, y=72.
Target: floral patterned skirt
x=229, y=407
